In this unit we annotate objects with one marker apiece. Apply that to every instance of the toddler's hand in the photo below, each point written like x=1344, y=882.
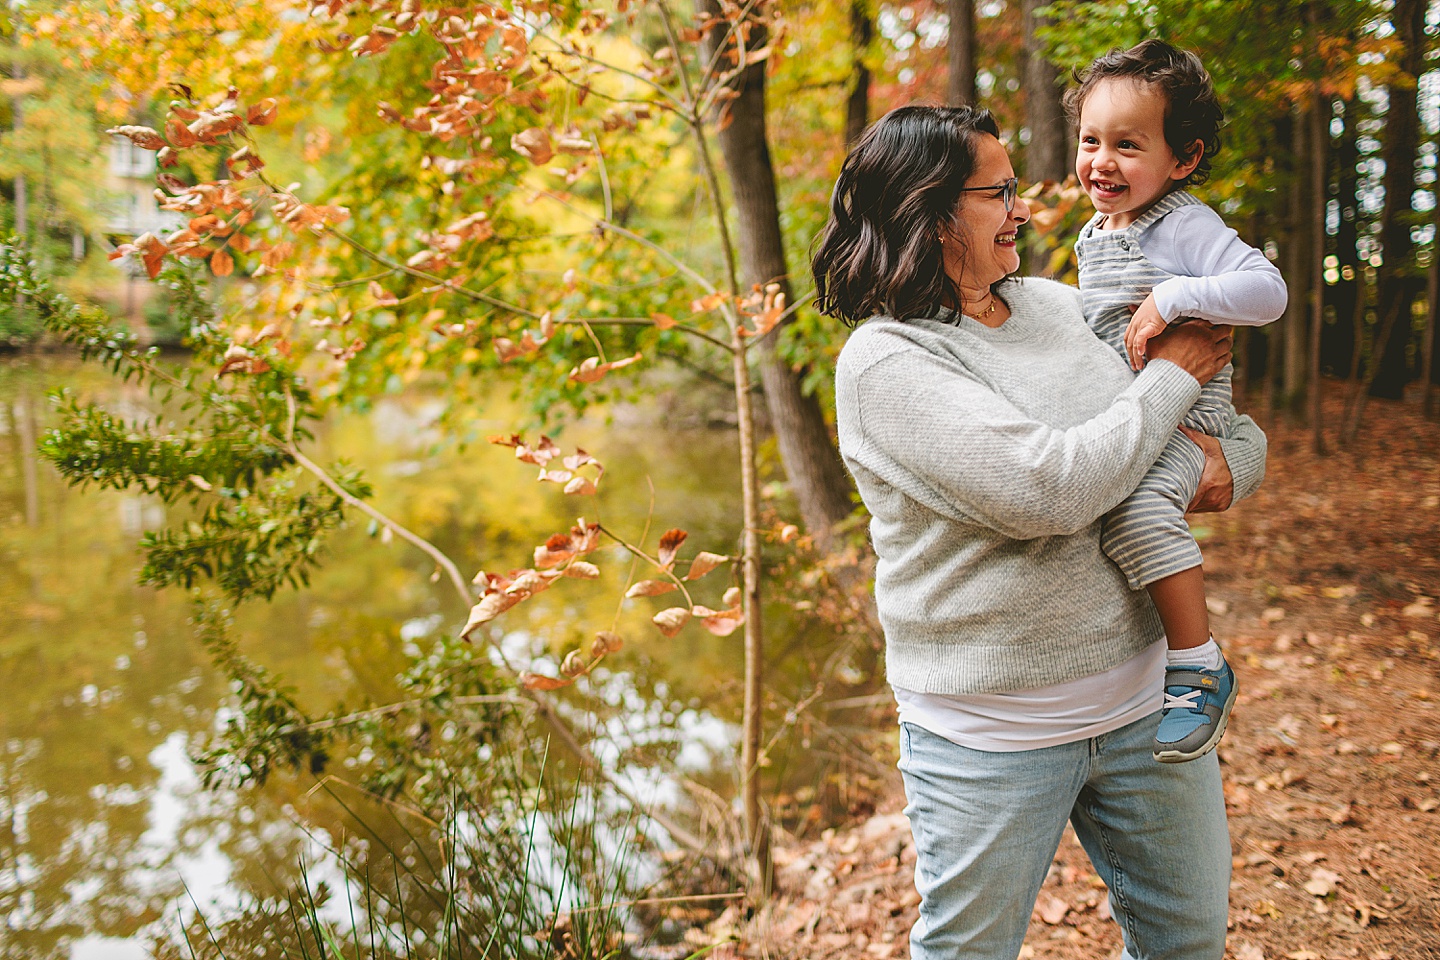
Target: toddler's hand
x=1146, y=323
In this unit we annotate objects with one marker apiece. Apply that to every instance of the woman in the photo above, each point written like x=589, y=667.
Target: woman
x=988, y=432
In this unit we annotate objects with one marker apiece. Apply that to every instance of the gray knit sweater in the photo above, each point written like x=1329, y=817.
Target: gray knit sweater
x=986, y=457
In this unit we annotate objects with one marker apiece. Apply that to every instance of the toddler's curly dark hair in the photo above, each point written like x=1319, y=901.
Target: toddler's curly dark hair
x=1192, y=111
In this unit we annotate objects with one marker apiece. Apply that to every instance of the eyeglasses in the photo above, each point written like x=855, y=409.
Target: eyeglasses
x=1010, y=187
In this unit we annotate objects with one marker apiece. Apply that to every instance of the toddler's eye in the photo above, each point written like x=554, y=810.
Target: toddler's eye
x=1128, y=145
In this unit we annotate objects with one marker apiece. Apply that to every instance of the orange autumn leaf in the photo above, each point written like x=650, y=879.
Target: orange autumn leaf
x=703, y=563
x=538, y=681
x=669, y=543
x=221, y=263
x=671, y=620
x=592, y=370
x=650, y=588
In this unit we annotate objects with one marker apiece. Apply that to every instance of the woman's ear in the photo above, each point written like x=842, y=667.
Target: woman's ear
x=1186, y=166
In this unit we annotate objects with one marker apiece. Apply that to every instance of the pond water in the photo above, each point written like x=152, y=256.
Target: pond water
x=105, y=832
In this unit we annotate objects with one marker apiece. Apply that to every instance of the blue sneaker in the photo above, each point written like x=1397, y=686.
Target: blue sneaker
x=1195, y=711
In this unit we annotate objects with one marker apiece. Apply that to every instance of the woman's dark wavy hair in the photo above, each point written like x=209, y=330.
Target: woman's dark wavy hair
x=1192, y=110
x=880, y=252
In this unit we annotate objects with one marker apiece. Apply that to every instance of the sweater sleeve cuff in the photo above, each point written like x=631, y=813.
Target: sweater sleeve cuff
x=1168, y=385
x=1245, y=455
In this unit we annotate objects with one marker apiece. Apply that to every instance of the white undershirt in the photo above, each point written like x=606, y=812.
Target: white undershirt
x=1044, y=716
x=1218, y=276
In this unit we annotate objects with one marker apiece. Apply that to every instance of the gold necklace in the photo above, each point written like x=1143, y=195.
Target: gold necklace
x=994, y=302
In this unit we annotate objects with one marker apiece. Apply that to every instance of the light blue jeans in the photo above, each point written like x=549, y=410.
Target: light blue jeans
x=987, y=826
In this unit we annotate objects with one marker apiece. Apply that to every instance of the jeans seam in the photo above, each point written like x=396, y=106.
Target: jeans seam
x=1118, y=879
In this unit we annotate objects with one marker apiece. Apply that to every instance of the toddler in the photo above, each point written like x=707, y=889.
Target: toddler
x=1153, y=255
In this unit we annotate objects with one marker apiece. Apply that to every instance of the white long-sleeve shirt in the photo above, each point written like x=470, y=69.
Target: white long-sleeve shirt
x=1218, y=276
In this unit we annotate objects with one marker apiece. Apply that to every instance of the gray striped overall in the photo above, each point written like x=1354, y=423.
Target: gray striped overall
x=1146, y=535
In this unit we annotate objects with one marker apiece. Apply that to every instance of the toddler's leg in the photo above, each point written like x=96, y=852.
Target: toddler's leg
x=1146, y=535
x=1148, y=539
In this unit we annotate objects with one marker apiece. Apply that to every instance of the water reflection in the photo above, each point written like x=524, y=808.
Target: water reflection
x=105, y=832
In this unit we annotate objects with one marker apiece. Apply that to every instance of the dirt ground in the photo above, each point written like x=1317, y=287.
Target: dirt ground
x=1325, y=589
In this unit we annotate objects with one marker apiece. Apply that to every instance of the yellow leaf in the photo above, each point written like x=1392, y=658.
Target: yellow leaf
x=221, y=263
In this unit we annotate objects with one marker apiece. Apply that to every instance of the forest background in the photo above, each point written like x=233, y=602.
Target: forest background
x=594, y=210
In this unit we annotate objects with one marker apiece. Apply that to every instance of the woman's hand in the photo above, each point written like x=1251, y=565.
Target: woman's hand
x=1217, y=485
x=1198, y=347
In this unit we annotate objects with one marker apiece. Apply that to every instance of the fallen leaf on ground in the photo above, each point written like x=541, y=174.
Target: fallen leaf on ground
x=1249, y=951
x=1051, y=908
x=1322, y=882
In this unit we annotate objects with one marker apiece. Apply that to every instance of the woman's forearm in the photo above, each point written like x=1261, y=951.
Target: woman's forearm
x=967, y=453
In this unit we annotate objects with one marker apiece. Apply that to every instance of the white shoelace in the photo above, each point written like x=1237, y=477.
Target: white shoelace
x=1189, y=701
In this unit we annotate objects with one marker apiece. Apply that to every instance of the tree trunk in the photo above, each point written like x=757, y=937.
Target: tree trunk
x=1389, y=323
x=757, y=827
x=27, y=433
x=857, y=105
x=1347, y=296
x=1432, y=314
x=1295, y=336
x=1047, y=155
x=1319, y=143
x=1402, y=125
x=22, y=191
x=817, y=475
x=960, y=88
x=1427, y=344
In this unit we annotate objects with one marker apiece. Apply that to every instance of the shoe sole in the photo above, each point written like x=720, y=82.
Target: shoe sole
x=1184, y=756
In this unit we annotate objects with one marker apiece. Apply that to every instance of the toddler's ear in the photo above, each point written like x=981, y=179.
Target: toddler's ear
x=1184, y=166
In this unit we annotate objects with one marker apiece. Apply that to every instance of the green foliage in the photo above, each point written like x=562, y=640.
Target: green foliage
x=250, y=542
x=255, y=526
x=19, y=324
x=269, y=728
x=526, y=870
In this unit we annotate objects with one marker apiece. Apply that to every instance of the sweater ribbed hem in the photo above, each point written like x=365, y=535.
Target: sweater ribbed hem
x=1246, y=459
x=967, y=665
